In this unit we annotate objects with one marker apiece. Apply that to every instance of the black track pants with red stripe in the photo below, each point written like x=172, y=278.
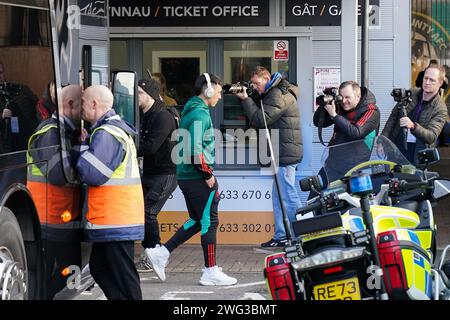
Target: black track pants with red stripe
x=202, y=203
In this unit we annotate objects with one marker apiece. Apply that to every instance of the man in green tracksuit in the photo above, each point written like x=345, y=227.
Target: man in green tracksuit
x=197, y=182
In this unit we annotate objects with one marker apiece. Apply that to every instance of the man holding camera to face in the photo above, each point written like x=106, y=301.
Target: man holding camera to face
x=279, y=99
x=355, y=118
x=425, y=116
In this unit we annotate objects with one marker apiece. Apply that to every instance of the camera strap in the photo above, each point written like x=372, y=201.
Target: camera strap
x=320, y=125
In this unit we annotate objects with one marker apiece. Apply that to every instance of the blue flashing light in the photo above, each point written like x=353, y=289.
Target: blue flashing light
x=361, y=184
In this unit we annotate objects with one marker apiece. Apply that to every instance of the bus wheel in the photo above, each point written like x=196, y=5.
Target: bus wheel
x=13, y=263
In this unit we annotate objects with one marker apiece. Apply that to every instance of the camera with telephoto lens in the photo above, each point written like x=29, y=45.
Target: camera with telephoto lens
x=238, y=87
x=10, y=89
x=329, y=95
x=401, y=94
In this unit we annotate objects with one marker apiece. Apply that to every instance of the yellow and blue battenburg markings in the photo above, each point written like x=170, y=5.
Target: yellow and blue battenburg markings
x=417, y=266
x=414, y=245
x=352, y=223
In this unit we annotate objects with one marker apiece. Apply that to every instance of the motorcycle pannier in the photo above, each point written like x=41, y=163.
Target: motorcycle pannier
x=278, y=277
x=406, y=265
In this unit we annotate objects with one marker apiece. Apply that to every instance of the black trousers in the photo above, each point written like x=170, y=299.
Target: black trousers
x=157, y=189
x=112, y=267
x=202, y=203
x=60, y=254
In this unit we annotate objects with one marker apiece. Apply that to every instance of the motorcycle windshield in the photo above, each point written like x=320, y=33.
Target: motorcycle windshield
x=338, y=160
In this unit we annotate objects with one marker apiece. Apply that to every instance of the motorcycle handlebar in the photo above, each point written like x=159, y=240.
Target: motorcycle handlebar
x=407, y=186
x=310, y=207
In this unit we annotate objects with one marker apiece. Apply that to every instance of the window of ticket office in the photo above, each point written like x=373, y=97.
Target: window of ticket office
x=119, y=60
x=180, y=62
x=240, y=59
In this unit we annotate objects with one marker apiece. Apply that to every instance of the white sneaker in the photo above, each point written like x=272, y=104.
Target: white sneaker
x=158, y=258
x=215, y=277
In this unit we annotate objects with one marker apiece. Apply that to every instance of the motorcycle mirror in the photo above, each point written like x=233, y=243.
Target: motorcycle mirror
x=426, y=157
x=441, y=188
x=311, y=183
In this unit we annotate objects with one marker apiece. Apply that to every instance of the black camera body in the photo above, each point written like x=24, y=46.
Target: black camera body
x=329, y=95
x=238, y=87
x=10, y=89
x=401, y=95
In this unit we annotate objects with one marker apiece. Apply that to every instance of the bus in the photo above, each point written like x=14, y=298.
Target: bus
x=44, y=47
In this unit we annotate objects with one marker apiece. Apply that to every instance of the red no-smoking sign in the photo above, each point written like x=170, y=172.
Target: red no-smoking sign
x=280, y=50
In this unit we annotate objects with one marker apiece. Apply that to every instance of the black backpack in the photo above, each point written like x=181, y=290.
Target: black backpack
x=176, y=115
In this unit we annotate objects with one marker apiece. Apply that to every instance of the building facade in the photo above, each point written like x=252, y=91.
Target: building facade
x=303, y=40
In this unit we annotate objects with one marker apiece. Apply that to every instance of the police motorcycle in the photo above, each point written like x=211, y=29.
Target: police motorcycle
x=370, y=233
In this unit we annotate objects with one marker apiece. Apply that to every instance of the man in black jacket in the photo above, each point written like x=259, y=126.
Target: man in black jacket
x=357, y=118
x=426, y=116
x=279, y=98
x=155, y=145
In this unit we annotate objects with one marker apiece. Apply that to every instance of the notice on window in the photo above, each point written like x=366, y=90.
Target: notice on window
x=281, y=50
x=325, y=77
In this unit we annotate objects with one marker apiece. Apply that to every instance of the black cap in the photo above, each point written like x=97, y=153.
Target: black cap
x=151, y=87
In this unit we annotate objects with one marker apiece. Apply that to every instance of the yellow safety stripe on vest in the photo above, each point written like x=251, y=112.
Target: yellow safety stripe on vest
x=128, y=171
x=132, y=167
x=121, y=171
x=33, y=170
x=95, y=162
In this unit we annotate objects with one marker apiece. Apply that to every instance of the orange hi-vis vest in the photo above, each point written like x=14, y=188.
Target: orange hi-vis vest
x=116, y=208
x=57, y=205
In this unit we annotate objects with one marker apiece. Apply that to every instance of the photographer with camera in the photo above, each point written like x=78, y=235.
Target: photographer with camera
x=425, y=115
x=17, y=114
x=279, y=99
x=355, y=117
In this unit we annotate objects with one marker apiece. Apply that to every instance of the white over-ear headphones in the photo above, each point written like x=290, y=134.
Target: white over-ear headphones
x=209, y=91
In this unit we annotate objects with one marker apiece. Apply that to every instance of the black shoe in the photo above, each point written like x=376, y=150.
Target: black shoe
x=272, y=243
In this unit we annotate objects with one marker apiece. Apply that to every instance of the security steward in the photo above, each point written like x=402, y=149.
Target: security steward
x=57, y=202
x=115, y=210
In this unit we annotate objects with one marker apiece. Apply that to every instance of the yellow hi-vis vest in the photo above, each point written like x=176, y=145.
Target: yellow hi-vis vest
x=116, y=208
x=57, y=205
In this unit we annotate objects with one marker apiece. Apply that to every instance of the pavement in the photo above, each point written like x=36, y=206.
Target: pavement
x=232, y=258
x=250, y=258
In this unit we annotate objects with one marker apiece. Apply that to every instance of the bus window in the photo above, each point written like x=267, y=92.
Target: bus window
x=125, y=97
x=25, y=72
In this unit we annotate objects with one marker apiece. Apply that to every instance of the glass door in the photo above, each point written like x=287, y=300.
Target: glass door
x=176, y=63
x=240, y=147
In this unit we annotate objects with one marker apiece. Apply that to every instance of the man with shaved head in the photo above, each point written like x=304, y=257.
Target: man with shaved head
x=46, y=134
x=115, y=216
x=53, y=195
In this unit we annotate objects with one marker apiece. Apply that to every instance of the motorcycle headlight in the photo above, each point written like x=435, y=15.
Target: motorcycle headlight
x=328, y=257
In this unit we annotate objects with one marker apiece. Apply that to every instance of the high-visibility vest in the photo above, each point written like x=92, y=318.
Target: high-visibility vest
x=116, y=208
x=57, y=205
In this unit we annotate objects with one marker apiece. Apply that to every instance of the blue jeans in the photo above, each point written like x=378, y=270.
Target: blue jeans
x=291, y=200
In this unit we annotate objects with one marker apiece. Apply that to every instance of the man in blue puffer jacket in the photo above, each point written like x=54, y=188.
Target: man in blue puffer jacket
x=115, y=216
